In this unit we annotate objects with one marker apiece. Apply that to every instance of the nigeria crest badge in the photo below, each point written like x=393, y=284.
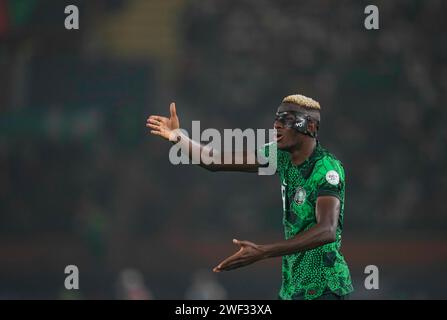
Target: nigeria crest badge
x=300, y=195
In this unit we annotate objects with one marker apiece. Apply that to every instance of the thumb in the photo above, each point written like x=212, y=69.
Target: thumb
x=172, y=110
x=244, y=243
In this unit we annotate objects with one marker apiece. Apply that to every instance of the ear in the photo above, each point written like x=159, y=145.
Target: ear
x=311, y=126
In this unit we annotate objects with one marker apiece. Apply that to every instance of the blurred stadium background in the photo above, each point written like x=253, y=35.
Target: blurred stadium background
x=83, y=183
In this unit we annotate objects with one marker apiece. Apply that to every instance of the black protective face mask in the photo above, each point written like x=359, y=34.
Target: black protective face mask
x=296, y=120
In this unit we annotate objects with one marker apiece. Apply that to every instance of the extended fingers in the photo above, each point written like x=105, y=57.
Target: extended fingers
x=228, y=261
x=156, y=118
x=234, y=265
x=153, y=126
x=155, y=132
x=153, y=121
x=230, y=265
x=235, y=257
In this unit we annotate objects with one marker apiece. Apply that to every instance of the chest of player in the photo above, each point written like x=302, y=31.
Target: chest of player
x=299, y=196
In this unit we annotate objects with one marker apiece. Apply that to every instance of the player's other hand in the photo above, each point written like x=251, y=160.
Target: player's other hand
x=248, y=253
x=164, y=127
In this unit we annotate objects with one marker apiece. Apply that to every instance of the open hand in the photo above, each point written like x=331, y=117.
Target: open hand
x=247, y=254
x=164, y=127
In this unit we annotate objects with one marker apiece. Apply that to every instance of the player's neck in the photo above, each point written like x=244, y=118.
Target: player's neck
x=303, y=151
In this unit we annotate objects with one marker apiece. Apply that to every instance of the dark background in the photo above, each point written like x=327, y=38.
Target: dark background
x=82, y=182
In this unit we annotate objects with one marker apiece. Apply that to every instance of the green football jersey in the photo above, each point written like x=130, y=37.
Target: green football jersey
x=309, y=274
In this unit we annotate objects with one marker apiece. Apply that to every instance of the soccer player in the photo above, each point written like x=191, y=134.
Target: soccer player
x=313, y=194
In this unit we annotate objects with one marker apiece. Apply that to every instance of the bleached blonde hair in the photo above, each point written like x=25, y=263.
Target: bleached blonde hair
x=302, y=101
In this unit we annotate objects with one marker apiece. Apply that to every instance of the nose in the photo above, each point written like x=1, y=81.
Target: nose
x=278, y=124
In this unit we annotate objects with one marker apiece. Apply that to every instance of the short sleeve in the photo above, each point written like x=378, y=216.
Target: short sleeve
x=331, y=180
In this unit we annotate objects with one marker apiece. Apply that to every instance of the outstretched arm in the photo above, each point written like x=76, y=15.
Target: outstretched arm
x=323, y=232
x=211, y=159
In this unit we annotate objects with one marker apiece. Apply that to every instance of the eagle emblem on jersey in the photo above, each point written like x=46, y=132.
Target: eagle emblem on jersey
x=300, y=195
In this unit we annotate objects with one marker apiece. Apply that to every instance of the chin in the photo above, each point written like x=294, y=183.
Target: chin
x=282, y=146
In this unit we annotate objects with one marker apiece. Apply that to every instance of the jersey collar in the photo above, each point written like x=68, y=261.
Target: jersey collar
x=307, y=166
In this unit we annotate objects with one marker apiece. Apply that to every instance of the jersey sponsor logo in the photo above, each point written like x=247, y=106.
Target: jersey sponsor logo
x=300, y=196
x=332, y=177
